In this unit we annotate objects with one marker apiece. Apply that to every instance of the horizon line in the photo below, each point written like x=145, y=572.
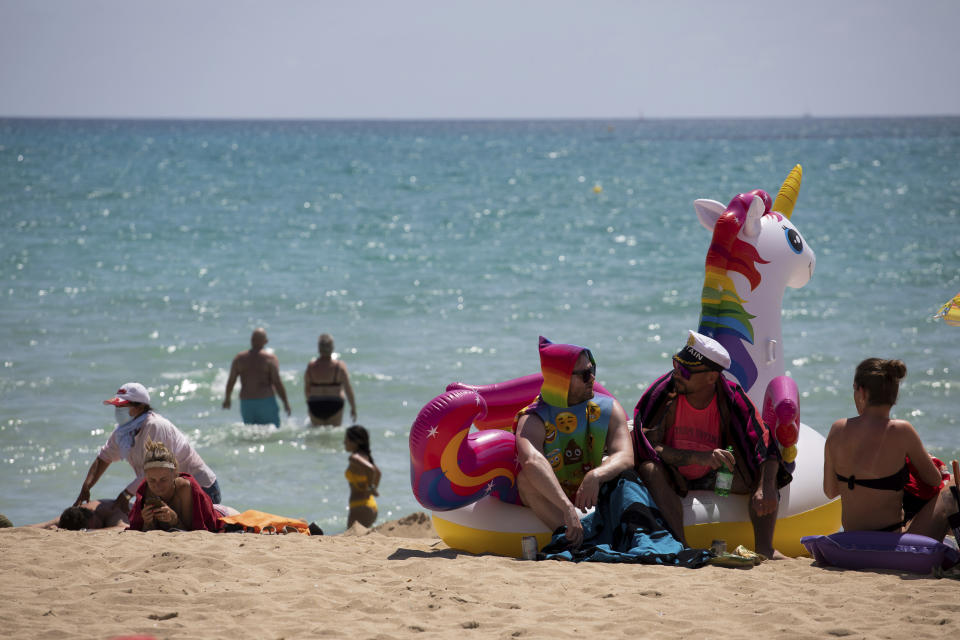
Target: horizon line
x=149, y=118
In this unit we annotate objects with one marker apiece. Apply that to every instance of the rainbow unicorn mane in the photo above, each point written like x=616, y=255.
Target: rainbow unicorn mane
x=755, y=253
x=722, y=315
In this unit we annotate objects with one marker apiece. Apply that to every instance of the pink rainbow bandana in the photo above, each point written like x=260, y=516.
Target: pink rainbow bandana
x=557, y=362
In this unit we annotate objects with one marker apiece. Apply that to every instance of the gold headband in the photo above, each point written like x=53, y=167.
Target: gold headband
x=159, y=464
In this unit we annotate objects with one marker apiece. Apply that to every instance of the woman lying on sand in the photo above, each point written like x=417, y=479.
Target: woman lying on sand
x=167, y=500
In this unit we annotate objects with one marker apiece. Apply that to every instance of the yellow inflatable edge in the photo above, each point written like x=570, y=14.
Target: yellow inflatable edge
x=822, y=520
x=471, y=540
x=786, y=539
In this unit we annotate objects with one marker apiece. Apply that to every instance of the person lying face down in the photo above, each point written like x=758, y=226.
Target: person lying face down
x=96, y=514
x=562, y=439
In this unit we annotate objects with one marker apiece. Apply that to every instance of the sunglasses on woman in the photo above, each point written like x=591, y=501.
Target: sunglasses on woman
x=586, y=374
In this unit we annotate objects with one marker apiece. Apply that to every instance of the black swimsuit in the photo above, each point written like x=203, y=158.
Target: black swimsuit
x=894, y=482
x=324, y=407
x=321, y=407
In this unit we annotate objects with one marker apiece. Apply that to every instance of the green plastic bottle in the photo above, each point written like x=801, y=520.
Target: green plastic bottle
x=724, y=479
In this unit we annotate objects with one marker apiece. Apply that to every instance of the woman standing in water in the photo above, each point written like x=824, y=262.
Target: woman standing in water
x=325, y=384
x=362, y=475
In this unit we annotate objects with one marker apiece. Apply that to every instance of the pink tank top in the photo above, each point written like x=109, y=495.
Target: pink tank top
x=695, y=430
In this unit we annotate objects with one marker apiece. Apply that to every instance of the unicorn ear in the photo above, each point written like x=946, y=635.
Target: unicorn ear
x=708, y=211
x=751, y=228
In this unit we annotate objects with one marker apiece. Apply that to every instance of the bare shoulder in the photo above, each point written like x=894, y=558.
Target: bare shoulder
x=618, y=420
x=357, y=461
x=531, y=427
x=837, y=427
x=902, y=428
x=529, y=420
x=618, y=411
x=896, y=423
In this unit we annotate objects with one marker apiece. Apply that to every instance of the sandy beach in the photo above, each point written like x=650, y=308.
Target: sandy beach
x=400, y=581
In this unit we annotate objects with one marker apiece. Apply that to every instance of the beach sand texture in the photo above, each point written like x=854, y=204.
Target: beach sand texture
x=400, y=581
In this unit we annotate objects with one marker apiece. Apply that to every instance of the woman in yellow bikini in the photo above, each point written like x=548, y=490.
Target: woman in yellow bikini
x=362, y=475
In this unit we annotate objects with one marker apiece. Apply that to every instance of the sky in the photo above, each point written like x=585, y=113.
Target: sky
x=426, y=59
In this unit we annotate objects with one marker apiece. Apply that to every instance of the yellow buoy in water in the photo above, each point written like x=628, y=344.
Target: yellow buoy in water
x=597, y=188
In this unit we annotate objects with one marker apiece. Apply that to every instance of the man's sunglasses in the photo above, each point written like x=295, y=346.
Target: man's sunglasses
x=586, y=374
x=684, y=372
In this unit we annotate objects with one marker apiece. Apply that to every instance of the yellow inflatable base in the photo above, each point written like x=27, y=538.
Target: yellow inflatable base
x=823, y=520
x=462, y=538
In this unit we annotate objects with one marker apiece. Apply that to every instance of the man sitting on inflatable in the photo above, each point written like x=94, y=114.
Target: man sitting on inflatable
x=682, y=427
x=562, y=438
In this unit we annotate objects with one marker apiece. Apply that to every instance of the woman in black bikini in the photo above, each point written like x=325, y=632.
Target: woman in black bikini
x=325, y=384
x=865, y=460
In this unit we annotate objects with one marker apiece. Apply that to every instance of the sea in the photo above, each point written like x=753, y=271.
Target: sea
x=433, y=252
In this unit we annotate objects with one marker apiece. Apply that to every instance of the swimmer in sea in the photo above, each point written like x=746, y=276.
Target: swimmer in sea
x=259, y=373
x=326, y=383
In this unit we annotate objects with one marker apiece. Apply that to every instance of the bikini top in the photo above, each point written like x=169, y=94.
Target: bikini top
x=335, y=383
x=894, y=482
x=357, y=481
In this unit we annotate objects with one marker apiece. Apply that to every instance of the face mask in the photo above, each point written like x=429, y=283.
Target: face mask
x=121, y=414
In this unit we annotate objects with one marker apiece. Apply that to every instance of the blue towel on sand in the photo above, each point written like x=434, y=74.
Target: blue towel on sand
x=626, y=526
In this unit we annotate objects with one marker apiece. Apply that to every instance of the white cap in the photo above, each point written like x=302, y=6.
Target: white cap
x=130, y=392
x=700, y=348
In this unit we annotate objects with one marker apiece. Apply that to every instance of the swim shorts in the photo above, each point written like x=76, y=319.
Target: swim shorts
x=260, y=411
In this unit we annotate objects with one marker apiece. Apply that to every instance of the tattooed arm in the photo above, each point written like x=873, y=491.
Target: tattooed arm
x=656, y=436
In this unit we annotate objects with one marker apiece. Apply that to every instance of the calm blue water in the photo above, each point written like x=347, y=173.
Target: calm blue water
x=433, y=252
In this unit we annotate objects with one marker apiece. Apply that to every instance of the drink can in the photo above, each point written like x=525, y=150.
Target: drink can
x=529, y=546
x=719, y=547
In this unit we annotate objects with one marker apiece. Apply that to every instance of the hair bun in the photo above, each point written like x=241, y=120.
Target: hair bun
x=895, y=369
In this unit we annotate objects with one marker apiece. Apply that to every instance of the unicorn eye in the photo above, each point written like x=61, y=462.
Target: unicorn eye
x=796, y=242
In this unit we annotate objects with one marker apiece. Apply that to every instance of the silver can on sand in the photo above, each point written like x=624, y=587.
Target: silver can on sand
x=528, y=546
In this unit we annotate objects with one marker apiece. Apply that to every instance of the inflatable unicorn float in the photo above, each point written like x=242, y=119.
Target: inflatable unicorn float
x=468, y=479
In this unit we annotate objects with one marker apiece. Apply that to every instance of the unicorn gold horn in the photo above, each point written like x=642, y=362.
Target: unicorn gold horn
x=788, y=192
